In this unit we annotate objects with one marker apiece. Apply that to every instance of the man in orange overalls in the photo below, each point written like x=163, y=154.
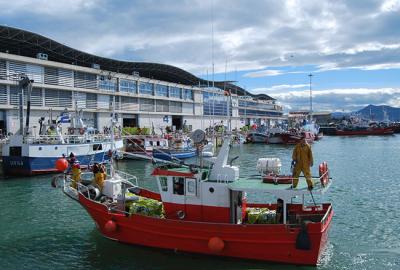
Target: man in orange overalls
x=303, y=159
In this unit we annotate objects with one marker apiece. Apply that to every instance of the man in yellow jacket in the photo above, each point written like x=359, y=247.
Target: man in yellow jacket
x=302, y=159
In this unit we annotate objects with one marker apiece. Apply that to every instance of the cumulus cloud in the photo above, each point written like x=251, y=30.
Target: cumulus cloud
x=347, y=99
x=260, y=38
x=256, y=35
x=263, y=73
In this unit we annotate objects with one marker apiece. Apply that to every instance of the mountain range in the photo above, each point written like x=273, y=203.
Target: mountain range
x=372, y=112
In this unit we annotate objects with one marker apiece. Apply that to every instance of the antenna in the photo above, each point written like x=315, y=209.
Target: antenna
x=212, y=52
x=311, y=109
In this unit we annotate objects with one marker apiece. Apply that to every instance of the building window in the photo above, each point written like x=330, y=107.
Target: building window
x=162, y=106
x=3, y=70
x=34, y=72
x=246, y=112
x=106, y=84
x=36, y=96
x=128, y=86
x=216, y=104
x=146, y=88
x=58, y=76
x=146, y=105
x=91, y=101
x=58, y=98
x=161, y=90
x=175, y=107
x=187, y=94
x=85, y=80
x=175, y=92
x=129, y=104
x=3, y=94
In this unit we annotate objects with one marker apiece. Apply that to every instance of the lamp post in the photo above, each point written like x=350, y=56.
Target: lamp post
x=311, y=109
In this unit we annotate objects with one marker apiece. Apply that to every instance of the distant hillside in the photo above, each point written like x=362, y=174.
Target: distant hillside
x=376, y=113
x=339, y=115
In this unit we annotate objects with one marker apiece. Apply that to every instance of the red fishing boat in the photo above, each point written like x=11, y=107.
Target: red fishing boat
x=205, y=210
x=364, y=131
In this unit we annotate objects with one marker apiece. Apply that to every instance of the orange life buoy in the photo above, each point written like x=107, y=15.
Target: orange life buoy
x=81, y=131
x=323, y=173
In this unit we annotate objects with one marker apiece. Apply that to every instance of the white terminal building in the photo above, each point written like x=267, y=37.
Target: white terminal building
x=146, y=94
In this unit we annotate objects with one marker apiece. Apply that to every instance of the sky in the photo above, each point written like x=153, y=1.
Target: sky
x=352, y=48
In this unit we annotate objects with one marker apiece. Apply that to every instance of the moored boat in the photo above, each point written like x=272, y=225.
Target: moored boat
x=361, y=131
x=142, y=146
x=205, y=210
x=257, y=137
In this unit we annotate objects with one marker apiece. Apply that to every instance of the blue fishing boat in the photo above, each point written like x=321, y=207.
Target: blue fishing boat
x=27, y=153
x=180, y=148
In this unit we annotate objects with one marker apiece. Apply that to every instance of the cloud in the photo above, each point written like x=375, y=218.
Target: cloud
x=279, y=88
x=251, y=35
x=348, y=99
x=263, y=73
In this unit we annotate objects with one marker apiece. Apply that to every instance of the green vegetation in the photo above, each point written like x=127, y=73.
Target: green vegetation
x=136, y=131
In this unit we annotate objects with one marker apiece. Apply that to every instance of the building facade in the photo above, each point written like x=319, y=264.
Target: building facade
x=145, y=94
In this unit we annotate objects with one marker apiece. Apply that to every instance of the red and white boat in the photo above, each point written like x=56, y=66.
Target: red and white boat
x=205, y=210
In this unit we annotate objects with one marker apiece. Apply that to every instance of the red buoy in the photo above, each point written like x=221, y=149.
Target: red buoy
x=216, y=244
x=61, y=164
x=110, y=226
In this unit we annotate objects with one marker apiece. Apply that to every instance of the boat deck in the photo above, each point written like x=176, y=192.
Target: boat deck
x=257, y=185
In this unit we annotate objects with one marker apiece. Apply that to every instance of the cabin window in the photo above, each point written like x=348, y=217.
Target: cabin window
x=15, y=151
x=191, y=186
x=179, y=185
x=164, y=183
x=97, y=147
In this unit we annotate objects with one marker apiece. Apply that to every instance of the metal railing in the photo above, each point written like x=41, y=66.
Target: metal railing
x=68, y=139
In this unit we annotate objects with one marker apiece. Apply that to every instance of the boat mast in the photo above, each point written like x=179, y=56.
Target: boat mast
x=212, y=58
x=24, y=83
x=112, y=135
x=311, y=108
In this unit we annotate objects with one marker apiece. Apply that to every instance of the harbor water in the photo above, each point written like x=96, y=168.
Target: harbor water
x=40, y=228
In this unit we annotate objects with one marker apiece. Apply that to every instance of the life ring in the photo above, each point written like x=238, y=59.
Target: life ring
x=323, y=173
x=81, y=131
x=71, y=131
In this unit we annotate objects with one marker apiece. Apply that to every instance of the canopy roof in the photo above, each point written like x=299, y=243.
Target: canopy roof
x=25, y=43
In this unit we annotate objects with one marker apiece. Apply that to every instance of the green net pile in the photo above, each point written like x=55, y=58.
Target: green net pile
x=146, y=207
x=260, y=216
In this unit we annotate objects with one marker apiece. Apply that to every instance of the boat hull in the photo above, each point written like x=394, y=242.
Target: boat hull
x=365, y=132
x=26, y=166
x=169, y=155
x=37, y=159
x=267, y=242
x=255, y=137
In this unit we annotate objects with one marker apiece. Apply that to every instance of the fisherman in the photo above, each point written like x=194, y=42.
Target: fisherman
x=71, y=161
x=302, y=160
x=99, y=172
x=76, y=174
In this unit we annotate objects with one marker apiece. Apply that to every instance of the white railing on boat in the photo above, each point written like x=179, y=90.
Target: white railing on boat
x=68, y=139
